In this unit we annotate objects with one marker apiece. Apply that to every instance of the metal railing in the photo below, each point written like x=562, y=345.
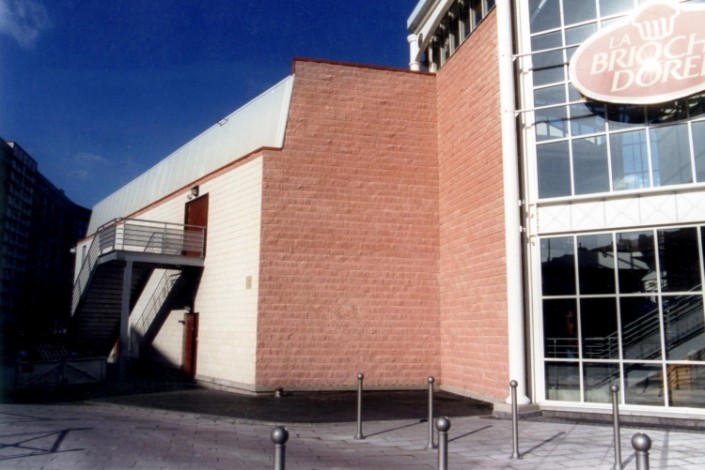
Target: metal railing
x=138, y=236
x=159, y=296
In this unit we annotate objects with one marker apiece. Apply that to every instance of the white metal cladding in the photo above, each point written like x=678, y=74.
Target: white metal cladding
x=259, y=123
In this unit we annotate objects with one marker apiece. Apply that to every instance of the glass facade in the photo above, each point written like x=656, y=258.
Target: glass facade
x=623, y=303
x=625, y=308
x=587, y=147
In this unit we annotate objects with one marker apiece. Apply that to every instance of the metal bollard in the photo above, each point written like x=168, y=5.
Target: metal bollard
x=360, y=377
x=641, y=443
x=615, y=420
x=515, y=421
x=430, y=445
x=443, y=425
x=279, y=437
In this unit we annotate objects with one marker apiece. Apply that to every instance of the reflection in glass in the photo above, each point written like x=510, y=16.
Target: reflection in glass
x=590, y=165
x=679, y=259
x=667, y=112
x=670, y=155
x=587, y=119
x=598, y=328
x=597, y=379
x=686, y=385
x=577, y=11
x=548, y=67
x=579, y=34
x=696, y=106
x=630, y=161
x=596, y=264
x=641, y=328
x=545, y=14
x=699, y=148
x=554, y=170
x=546, y=41
x=551, y=123
x=642, y=384
x=562, y=381
x=549, y=96
x=612, y=7
x=637, y=262
x=560, y=328
x=558, y=266
x=684, y=327
x=625, y=117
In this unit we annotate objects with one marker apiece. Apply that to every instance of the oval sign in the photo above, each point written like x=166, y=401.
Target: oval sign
x=657, y=54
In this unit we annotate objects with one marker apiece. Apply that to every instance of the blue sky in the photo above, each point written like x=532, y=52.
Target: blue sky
x=98, y=91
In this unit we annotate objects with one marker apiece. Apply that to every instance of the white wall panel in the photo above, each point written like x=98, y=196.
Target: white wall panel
x=226, y=301
x=615, y=212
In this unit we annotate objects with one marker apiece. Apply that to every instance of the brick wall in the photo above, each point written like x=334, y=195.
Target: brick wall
x=349, y=249
x=472, y=253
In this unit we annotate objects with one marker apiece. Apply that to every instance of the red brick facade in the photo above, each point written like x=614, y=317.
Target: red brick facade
x=349, y=254
x=383, y=229
x=474, y=349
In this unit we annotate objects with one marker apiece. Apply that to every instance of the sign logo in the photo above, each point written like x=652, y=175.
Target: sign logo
x=655, y=55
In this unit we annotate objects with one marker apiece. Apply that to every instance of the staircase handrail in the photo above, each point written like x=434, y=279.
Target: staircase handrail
x=156, y=300
x=89, y=261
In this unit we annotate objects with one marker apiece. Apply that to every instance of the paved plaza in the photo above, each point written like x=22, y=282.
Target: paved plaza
x=115, y=434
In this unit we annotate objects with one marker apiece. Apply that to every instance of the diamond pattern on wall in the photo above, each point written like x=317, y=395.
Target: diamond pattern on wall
x=589, y=215
x=622, y=212
x=660, y=209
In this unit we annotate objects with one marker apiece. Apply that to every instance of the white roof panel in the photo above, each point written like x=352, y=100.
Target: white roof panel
x=259, y=123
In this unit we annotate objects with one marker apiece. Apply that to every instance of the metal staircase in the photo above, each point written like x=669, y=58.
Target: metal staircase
x=122, y=256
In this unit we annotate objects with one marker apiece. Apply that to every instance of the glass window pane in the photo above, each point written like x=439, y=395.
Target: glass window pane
x=637, y=262
x=686, y=385
x=545, y=14
x=642, y=384
x=547, y=41
x=551, y=123
x=598, y=328
x=554, y=170
x=679, y=260
x=562, y=381
x=641, y=328
x=596, y=264
x=597, y=380
x=630, y=161
x=590, y=165
x=587, y=119
x=548, y=67
x=558, y=266
x=667, y=112
x=612, y=7
x=560, y=329
x=699, y=147
x=684, y=327
x=696, y=106
x=577, y=11
x=549, y=96
x=625, y=117
x=579, y=34
x=670, y=155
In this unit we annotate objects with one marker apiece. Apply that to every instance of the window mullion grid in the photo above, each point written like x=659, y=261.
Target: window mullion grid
x=662, y=336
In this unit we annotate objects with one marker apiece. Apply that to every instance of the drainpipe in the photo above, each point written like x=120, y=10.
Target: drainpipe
x=414, y=63
x=512, y=197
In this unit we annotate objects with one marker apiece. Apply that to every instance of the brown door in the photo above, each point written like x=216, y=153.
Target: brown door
x=190, y=344
x=196, y=216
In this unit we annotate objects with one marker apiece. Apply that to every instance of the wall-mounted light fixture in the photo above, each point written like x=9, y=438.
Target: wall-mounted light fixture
x=193, y=193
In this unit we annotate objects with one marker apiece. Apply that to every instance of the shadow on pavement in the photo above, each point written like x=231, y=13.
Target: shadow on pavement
x=169, y=391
